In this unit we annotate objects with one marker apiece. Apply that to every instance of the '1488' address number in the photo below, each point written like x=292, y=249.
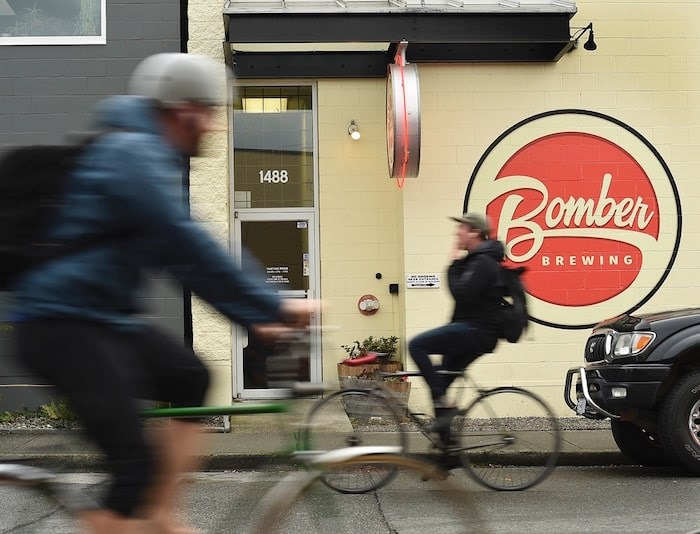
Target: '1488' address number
x=274, y=176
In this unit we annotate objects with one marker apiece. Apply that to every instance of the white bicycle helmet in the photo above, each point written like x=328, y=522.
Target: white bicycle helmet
x=176, y=78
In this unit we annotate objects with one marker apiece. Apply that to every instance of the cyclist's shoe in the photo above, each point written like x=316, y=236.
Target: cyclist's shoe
x=441, y=426
x=445, y=440
x=449, y=461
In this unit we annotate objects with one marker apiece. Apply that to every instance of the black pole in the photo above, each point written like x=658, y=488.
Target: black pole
x=187, y=328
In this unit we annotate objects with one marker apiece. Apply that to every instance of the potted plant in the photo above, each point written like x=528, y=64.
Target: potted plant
x=368, y=357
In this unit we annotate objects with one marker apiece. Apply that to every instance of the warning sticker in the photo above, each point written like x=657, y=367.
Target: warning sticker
x=422, y=281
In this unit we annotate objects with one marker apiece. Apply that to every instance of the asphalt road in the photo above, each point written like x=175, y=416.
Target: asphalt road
x=572, y=500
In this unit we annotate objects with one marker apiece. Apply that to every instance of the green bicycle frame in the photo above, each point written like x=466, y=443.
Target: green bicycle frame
x=233, y=409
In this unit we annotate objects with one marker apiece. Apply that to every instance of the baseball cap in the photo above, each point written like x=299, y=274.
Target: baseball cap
x=475, y=221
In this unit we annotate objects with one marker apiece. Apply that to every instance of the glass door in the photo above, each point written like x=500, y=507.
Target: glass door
x=279, y=249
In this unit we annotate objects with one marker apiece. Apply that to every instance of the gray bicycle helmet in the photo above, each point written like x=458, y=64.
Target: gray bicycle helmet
x=176, y=78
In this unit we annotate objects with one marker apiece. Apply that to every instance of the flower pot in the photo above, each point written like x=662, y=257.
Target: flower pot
x=367, y=370
x=402, y=391
x=365, y=409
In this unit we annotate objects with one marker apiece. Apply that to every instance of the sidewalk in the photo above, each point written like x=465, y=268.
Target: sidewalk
x=258, y=441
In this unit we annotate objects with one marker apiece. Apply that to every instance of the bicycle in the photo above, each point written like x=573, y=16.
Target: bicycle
x=277, y=504
x=52, y=486
x=272, y=509
x=506, y=438
x=283, y=364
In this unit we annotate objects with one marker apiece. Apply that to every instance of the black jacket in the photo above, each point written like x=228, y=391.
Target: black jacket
x=476, y=287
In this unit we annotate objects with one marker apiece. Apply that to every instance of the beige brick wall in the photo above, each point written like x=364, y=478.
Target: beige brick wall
x=360, y=217
x=645, y=72
x=209, y=195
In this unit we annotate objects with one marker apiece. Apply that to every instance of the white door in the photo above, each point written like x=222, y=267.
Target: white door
x=280, y=250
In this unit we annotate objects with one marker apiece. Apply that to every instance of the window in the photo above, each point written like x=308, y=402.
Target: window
x=42, y=22
x=273, y=157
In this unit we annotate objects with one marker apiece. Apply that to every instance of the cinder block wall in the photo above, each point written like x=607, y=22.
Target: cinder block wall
x=361, y=227
x=645, y=72
x=47, y=92
x=209, y=201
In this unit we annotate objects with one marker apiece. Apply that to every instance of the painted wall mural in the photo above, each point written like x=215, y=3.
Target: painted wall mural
x=588, y=206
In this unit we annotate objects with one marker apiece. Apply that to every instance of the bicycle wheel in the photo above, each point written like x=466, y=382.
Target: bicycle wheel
x=272, y=509
x=508, y=439
x=278, y=505
x=348, y=418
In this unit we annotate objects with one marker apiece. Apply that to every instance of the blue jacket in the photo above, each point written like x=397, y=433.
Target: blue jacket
x=126, y=187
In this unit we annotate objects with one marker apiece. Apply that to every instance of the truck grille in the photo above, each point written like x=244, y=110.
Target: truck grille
x=595, y=349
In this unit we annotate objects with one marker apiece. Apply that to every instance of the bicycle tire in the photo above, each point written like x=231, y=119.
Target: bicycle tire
x=369, y=419
x=278, y=503
x=508, y=452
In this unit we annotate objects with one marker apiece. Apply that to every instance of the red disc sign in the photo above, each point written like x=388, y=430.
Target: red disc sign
x=588, y=206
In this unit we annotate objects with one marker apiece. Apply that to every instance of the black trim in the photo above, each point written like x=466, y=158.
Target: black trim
x=184, y=25
x=187, y=328
x=437, y=37
x=311, y=64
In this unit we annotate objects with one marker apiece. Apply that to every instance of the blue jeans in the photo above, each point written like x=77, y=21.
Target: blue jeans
x=459, y=343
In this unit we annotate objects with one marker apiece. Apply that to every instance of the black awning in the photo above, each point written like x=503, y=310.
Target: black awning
x=433, y=37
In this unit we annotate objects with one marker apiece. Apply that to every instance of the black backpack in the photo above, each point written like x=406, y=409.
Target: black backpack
x=32, y=182
x=513, y=315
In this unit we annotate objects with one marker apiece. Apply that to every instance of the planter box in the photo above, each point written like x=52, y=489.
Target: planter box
x=367, y=370
x=363, y=410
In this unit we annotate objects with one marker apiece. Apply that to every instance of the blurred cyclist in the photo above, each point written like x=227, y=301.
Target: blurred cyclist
x=75, y=316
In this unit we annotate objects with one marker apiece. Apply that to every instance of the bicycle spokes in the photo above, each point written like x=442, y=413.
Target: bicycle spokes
x=353, y=418
x=508, y=439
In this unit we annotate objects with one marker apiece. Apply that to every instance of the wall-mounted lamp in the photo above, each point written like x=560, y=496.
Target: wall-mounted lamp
x=590, y=42
x=354, y=131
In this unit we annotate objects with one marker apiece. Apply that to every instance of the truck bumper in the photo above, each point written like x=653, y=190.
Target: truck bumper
x=601, y=391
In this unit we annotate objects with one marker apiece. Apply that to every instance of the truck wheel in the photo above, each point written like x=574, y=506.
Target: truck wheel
x=639, y=445
x=679, y=422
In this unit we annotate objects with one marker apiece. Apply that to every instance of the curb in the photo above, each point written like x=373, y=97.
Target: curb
x=236, y=462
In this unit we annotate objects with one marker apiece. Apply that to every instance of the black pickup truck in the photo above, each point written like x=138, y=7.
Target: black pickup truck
x=643, y=372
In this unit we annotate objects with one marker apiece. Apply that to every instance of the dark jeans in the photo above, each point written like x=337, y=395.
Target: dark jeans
x=459, y=343
x=101, y=373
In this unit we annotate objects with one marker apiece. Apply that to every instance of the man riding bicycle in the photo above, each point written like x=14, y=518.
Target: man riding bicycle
x=75, y=318
x=475, y=285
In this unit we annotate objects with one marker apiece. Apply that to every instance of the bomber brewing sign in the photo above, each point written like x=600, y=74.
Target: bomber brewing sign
x=588, y=206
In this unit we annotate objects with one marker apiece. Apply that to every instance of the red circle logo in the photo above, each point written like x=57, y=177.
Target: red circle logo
x=592, y=212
